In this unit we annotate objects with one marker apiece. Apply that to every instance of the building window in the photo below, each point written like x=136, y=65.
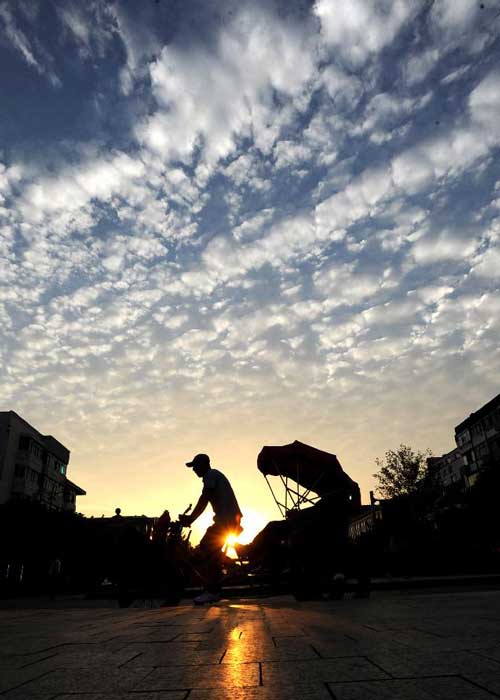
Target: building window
x=62, y=469
x=20, y=471
x=35, y=449
x=24, y=442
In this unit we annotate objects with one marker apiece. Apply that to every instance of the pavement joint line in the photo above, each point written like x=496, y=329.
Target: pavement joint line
x=214, y=665
x=432, y=634
x=20, y=685
x=330, y=691
x=400, y=678
x=478, y=685
x=321, y=658
x=315, y=651
x=32, y=663
x=163, y=641
x=482, y=656
x=58, y=646
x=223, y=655
x=380, y=668
x=139, y=653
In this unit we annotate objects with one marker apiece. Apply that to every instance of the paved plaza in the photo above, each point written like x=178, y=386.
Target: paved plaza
x=418, y=646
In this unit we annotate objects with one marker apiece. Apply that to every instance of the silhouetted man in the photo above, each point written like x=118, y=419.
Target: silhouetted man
x=227, y=515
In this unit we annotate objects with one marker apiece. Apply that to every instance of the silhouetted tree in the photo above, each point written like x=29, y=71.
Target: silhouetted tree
x=401, y=472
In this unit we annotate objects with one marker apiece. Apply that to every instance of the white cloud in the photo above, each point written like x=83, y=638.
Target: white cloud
x=253, y=228
x=74, y=20
x=212, y=97
x=420, y=65
x=285, y=240
x=335, y=214
x=289, y=154
x=452, y=17
x=74, y=188
x=484, y=105
x=20, y=42
x=445, y=245
x=357, y=29
x=345, y=285
x=344, y=89
x=433, y=294
x=9, y=177
x=488, y=263
x=455, y=75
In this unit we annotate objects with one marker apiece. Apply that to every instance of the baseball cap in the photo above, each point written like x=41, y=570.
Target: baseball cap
x=200, y=459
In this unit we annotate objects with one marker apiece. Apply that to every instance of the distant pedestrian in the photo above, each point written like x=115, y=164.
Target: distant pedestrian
x=54, y=577
x=227, y=517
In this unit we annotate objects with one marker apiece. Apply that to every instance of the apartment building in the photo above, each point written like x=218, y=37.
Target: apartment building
x=448, y=470
x=33, y=466
x=478, y=439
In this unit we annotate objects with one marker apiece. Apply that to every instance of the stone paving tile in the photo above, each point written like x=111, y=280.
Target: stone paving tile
x=490, y=681
x=32, y=645
x=87, y=680
x=21, y=694
x=170, y=654
x=191, y=637
x=13, y=678
x=151, y=634
x=258, y=650
x=239, y=652
x=75, y=657
x=489, y=652
x=319, y=670
x=17, y=661
x=346, y=647
x=317, y=691
x=215, y=676
x=165, y=695
x=416, y=663
x=450, y=688
x=123, y=640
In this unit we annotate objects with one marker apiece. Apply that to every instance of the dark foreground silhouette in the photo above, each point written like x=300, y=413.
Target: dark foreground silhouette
x=309, y=551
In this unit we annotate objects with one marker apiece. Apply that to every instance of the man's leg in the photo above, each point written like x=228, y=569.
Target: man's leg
x=210, y=549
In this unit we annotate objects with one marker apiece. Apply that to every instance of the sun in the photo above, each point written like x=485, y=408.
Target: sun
x=252, y=523
x=231, y=540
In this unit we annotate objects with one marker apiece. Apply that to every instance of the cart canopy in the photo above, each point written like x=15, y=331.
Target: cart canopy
x=315, y=470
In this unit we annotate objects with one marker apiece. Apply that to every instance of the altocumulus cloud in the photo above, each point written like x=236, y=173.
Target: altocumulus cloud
x=247, y=204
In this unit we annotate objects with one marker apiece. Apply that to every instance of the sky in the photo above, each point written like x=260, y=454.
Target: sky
x=226, y=224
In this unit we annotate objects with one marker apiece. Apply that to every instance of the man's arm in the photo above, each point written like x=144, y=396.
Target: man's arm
x=187, y=520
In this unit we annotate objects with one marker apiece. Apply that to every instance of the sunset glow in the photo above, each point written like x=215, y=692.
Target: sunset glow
x=252, y=522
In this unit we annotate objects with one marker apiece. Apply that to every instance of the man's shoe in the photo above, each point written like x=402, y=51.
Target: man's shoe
x=206, y=597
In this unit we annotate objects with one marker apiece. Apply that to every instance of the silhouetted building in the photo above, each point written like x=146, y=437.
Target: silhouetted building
x=448, y=470
x=364, y=521
x=478, y=439
x=33, y=466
